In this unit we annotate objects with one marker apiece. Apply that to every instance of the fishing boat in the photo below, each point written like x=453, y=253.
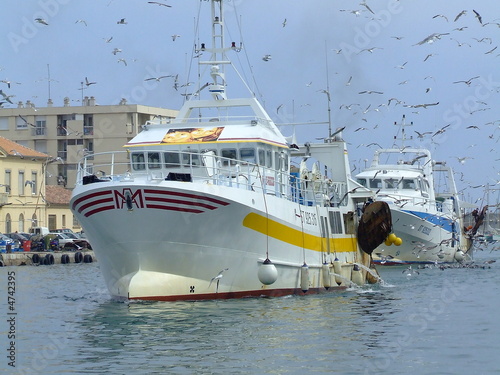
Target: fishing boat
x=427, y=215
x=217, y=203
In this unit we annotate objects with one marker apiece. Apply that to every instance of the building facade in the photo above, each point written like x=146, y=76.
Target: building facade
x=67, y=133
x=22, y=187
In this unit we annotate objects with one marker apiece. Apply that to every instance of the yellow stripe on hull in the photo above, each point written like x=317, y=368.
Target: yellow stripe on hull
x=296, y=237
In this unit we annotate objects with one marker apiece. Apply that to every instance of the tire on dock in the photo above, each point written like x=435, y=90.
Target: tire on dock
x=65, y=259
x=78, y=257
x=87, y=258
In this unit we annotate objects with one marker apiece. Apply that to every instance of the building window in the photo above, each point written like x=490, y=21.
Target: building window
x=21, y=182
x=20, y=225
x=40, y=125
x=8, y=224
x=7, y=182
x=63, y=221
x=34, y=182
x=4, y=123
x=21, y=123
x=75, y=222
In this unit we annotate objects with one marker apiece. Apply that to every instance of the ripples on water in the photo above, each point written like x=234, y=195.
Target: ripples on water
x=436, y=322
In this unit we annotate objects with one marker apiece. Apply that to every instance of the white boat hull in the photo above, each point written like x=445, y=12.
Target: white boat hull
x=427, y=238
x=169, y=242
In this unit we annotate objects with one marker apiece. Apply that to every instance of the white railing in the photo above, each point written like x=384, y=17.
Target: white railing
x=213, y=169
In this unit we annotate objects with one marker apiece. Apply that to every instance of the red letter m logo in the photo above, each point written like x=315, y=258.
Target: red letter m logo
x=129, y=199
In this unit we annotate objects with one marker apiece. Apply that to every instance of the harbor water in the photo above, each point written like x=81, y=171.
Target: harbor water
x=434, y=322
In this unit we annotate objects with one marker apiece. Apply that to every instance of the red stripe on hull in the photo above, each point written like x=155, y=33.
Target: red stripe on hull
x=246, y=294
x=177, y=201
x=170, y=208
x=92, y=195
x=100, y=209
x=185, y=195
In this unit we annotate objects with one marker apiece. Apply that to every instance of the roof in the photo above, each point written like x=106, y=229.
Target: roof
x=11, y=148
x=55, y=194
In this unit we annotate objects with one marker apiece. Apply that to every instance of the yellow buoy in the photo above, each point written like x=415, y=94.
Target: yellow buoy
x=398, y=241
x=388, y=242
x=392, y=237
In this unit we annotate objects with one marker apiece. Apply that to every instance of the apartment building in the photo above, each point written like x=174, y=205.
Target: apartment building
x=66, y=133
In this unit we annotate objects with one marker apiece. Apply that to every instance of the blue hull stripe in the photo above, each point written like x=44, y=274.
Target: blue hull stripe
x=444, y=223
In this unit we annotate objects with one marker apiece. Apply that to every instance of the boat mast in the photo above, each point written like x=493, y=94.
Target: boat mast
x=403, y=138
x=218, y=58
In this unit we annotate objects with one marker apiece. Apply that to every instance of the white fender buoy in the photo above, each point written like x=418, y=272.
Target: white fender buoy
x=459, y=256
x=337, y=269
x=327, y=280
x=267, y=273
x=357, y=276
x=304, y=278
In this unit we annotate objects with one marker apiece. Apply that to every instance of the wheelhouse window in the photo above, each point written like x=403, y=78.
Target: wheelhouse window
x=228, y=153
x=262, y=157
x=248, y=155
x=391, y=183
x=375, y=183
x=190, y=158
x=269, y=159
x=138, y=161
x=154, y=160
x=408, y=184
x=172, y=159
x=362, y=181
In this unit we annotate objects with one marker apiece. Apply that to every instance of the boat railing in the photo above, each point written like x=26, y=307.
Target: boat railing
x=150, y=167
x=233, y=120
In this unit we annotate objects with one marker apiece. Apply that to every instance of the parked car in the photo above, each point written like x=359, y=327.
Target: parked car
x=20, y=237
x=64, y=230
x=9, y=242
x=66, y=242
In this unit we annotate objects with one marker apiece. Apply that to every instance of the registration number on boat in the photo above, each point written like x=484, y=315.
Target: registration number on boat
x=309, y=218
x=424, y=230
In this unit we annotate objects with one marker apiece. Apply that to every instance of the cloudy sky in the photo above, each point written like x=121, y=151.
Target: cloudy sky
x=434, y=61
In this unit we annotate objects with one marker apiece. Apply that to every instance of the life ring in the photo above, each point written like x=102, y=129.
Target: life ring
x=78, y=257
x=87, y=258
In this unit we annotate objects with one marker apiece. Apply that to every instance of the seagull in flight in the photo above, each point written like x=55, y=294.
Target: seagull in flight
x=284, y=23
x=462, y=13
x=441, y=131
x=81, y=21
x=370, y=92
x=175, y=36
x=431, y=38
x=468, y=82
x=115, y=51
x=478, y=16
x=160, y=4
x=42, y=21
x=6, y=97
x=367, y=7
x=157, y=79
x=121, y=22
x=267, y=57
x=420, y=105
x=440, y=15
x=88, y=83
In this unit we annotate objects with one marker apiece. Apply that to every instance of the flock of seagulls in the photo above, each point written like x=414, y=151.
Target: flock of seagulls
x=373, y=99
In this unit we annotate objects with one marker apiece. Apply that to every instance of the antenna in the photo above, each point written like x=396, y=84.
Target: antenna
x=328, y=95
x=402, y=125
